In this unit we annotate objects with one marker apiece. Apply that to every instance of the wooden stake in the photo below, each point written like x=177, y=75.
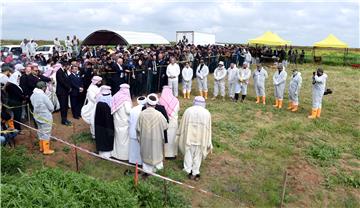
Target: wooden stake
x=165, y=193
x=136, y=177
x=76, y=160
x=283, y=189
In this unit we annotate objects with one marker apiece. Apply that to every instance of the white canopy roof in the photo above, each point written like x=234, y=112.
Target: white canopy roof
x=107, y=37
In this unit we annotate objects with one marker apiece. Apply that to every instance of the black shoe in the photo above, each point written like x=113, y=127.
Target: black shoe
x=128, y=172
x=190, y=175
x=197, y=177
x=144, y=176
x=66, y=123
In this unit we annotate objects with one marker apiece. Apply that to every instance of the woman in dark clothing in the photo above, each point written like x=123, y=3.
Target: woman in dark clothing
x=15, y=98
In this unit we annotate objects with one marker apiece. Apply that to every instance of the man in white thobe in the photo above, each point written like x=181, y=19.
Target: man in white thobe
x=294, y=90
x=259, y=76
x=279, y=81
x=318, y=89
x=68, y=46
x=24, y=48
x=248, y=57
x=202, y=72
x=243, y=78
x=32, y=48
x=232, y=78
x=150, y=132
x=173, y=72
x=120, y=109
x=134, y=146
x=219, y=81
x=187, y=75
x=172, y=107
x=57, y=45
x=88, y=110
x=28, y=49
x=195, y=137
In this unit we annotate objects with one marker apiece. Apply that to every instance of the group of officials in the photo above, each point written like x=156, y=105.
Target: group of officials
x=147, y=132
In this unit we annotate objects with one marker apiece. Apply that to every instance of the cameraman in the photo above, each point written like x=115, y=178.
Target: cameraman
x=318, y=89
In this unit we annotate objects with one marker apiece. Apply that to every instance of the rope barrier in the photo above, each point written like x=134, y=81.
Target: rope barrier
x=11, y=107
x=8, y=131
x=126, y=164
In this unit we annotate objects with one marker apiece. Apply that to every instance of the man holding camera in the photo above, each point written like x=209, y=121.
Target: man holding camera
x=318, y=89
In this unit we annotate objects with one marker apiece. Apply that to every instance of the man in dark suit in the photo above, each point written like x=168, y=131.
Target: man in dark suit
x=77, y=89
x=120, y=75
x=162, y=64
x=63, y=88
x=34, y=78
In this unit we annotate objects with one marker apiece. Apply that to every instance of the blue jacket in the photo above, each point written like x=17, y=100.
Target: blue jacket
x=76, y=82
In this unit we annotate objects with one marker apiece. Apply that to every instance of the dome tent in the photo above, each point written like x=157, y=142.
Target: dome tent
x=107, y=37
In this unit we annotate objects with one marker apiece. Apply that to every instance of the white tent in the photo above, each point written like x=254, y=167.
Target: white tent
x=107, y=37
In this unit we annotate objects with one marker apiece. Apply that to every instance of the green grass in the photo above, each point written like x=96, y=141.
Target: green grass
x=82, y=137
x=56, y=188
x=66, y=149
x=323, y=154
x=14, y=160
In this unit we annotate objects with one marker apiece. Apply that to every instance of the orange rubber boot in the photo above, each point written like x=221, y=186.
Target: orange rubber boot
x=318, y=112
x=290, y=106
x=280, y=104
x=47, y=150
x=295, y=108
x=313, y=113
x=276, y=103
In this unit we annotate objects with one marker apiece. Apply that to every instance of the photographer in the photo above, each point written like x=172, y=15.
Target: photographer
x=318, y=89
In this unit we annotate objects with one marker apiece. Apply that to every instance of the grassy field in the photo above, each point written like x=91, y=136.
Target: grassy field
x=255, y=144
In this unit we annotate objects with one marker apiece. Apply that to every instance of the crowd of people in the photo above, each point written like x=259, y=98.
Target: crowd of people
x=101, y=83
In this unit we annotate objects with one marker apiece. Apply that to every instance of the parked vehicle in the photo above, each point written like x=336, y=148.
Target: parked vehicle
x=47, y=50
x=15, y=49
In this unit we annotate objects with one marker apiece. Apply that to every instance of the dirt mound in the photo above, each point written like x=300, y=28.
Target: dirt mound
x=303, y=182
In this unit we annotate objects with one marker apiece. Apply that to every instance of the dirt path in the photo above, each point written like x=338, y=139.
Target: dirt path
x=62, y=152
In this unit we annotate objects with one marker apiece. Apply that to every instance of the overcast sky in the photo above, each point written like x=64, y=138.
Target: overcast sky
x=303, y=22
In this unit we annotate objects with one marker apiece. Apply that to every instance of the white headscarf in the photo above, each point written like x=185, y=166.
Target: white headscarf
x=152, y=102
x=105, y=95
x=15, y=79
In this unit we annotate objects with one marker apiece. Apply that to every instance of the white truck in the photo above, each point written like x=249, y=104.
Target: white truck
x=196, y=38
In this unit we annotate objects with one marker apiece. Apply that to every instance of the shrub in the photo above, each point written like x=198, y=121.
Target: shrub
x=13, y=160
x=57, y=188
x=323, y=154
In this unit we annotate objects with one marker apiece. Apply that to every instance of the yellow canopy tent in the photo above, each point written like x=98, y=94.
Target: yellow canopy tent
x=331, y=41
x=269, y=38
